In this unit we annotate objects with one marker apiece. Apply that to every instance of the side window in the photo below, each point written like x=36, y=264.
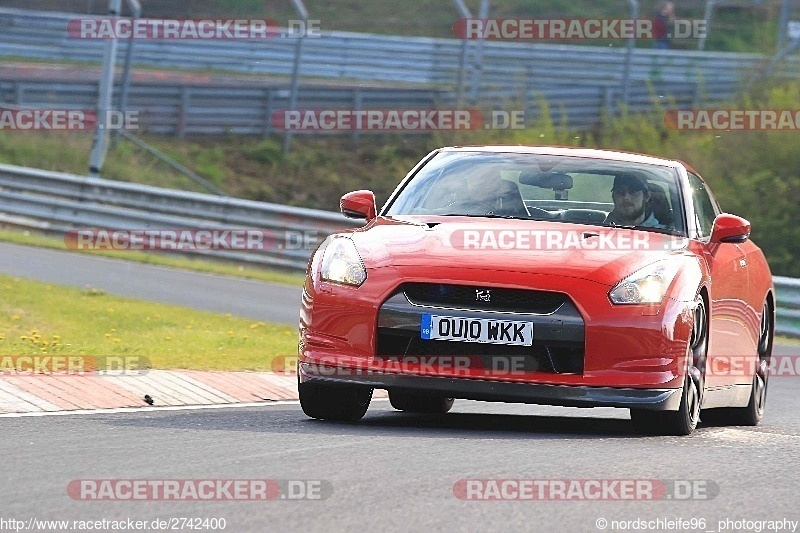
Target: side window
x=705, y=210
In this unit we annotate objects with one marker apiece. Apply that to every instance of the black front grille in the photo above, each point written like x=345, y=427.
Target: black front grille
x=475, y=297
x=551, y=357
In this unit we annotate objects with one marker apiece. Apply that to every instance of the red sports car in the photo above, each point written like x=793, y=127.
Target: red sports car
x=556, y=276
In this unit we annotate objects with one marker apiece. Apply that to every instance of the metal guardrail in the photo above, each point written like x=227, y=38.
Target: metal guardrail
x=584, y=81
x=58, y=202
x=174, y=108
x=788, y=305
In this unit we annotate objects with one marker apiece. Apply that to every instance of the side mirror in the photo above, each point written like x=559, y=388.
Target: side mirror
x=730, y=228
x=359, y=204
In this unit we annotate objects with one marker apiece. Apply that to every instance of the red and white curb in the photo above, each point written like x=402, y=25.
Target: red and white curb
x=164, y=388
x=39, y=393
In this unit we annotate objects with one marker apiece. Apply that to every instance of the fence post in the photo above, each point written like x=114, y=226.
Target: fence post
x=783, y=24
x=527, y=90
x=126, y=71
x=608, y=100
x=183, y=110
x=268, y=117
x=483, y=13
x=357, y=105
x=709, y=14
x=298, y=54
x=100, y=143
x=626, y=74
x=462, y=57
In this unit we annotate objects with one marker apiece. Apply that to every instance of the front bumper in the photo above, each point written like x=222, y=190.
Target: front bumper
x=598, y=354
x=496, y=391
x=557, y=325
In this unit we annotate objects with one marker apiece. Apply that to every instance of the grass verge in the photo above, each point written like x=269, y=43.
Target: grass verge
x=200, y=265
x=39, y=318
x=790, y=341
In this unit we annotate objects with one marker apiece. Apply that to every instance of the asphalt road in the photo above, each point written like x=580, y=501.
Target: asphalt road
x=391, y=471
x=396, y=472
x=208, y=292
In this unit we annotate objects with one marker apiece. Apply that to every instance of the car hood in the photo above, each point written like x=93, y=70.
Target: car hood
x=601, y=254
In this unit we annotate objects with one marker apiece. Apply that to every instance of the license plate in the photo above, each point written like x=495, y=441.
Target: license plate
x=483, y=330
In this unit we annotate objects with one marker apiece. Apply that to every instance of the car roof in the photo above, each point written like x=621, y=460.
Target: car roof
x=611, y=155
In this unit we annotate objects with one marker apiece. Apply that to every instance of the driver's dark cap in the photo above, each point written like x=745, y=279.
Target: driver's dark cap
x=629, y=182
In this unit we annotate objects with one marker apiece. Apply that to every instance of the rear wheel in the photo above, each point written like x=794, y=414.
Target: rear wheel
x=419, y=403
x=684, y=420
x=332, y=402
x=754, y=412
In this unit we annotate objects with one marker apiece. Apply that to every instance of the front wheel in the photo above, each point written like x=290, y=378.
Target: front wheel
x=684, y=420
x=333, y=402
x=680, y=422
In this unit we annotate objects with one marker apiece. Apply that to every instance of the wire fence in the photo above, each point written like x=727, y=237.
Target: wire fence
x=581, y=83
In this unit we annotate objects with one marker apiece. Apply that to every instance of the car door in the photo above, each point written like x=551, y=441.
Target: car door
x=729, y=341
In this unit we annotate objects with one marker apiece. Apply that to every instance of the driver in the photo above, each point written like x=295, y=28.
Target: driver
x=631, y=196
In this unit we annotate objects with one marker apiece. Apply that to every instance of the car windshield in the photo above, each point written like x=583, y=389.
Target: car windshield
x=545, y=187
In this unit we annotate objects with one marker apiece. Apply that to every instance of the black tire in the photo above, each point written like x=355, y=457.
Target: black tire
x=754, y=412
x=684, y=420
x=420, y=403
x=680, y=422
x=333, y=402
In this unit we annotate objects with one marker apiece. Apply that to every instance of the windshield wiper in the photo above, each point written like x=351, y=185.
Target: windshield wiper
x=664, y=231
x=485, y=215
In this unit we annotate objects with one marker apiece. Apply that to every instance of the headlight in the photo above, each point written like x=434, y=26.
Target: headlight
x=645, y=286
x=342, y=264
